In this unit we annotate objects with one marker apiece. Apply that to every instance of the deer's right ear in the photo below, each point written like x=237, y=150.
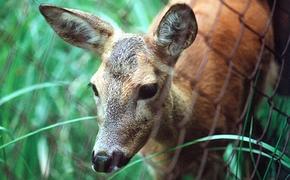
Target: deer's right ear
x=177, y=30
x=78, y=28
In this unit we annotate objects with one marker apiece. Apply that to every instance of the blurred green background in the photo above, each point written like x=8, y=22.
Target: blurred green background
x=30, y=54
x=43, y=83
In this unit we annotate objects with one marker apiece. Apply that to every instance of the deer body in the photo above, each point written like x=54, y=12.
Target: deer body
x=200, y=76
x=161, y=89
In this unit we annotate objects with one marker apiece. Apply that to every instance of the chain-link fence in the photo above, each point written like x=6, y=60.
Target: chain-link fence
x=259, y=149
x=279, y=18
x=256, y=124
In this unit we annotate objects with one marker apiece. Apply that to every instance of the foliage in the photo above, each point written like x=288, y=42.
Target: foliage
x=33, y=64
x=47, y=124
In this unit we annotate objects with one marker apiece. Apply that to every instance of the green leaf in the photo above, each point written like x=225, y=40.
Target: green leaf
x=29, y=89
x=277, y=154
x=6, y=131
x=43, y=156
x=47, y=128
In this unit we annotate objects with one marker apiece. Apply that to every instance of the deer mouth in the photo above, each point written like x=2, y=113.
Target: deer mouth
x=105, y=163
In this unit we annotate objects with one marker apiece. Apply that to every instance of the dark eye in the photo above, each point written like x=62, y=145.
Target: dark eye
x=94, y=89
x=148, y=91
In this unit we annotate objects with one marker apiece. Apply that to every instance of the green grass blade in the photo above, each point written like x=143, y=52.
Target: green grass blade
x=243, y=149
x=6, y=131
x=276, y=153
x=230, y=157
x=29, y=89
x=47, y=128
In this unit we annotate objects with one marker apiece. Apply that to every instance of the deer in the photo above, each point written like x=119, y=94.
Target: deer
x=180, y=81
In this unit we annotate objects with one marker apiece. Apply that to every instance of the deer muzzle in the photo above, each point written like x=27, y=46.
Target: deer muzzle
x=103, y=162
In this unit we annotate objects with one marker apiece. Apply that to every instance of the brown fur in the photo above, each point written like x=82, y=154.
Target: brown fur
x=205, y=94
x=202, y=70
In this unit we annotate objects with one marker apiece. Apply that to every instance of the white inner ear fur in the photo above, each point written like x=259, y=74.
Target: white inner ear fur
x=167, y=33
x=176, y=30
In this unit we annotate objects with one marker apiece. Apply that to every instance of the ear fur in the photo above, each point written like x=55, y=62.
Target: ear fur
x=177, y=29
x=78, y=28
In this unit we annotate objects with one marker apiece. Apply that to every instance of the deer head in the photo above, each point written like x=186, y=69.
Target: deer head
x=130, y=81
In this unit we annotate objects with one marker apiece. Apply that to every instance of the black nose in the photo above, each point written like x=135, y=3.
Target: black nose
x=102, y=162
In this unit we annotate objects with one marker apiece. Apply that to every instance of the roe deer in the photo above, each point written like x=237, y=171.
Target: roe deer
x=157, y=90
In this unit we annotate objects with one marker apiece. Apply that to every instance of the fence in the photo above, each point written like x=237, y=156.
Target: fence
x=31, y=54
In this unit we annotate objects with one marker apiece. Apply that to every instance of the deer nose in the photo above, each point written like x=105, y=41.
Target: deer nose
x=102, y=162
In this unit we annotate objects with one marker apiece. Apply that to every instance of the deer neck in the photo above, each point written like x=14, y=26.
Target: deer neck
x=177, y=110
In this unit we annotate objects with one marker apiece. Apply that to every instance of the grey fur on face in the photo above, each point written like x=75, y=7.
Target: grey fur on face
x=123, y=58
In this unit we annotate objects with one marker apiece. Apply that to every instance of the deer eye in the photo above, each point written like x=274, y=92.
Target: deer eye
x=94, y=89
x=148, y=91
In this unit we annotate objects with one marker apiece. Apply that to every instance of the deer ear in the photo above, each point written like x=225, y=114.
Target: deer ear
x=78, y=28
x=177, y=29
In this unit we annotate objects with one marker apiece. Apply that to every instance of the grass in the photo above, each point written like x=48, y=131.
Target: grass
x=33, y=64
x=47, y=123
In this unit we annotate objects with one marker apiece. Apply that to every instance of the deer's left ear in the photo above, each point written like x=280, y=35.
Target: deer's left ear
x=78, y=28
x=177, y=29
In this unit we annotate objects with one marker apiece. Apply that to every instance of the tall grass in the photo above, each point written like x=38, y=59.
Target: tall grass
x=33, y=60
x=47, y=128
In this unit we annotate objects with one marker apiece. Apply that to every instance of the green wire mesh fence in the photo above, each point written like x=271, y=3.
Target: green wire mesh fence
x=44, y=82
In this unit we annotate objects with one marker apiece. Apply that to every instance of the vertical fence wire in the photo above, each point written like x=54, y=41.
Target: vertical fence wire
x=279, y=19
